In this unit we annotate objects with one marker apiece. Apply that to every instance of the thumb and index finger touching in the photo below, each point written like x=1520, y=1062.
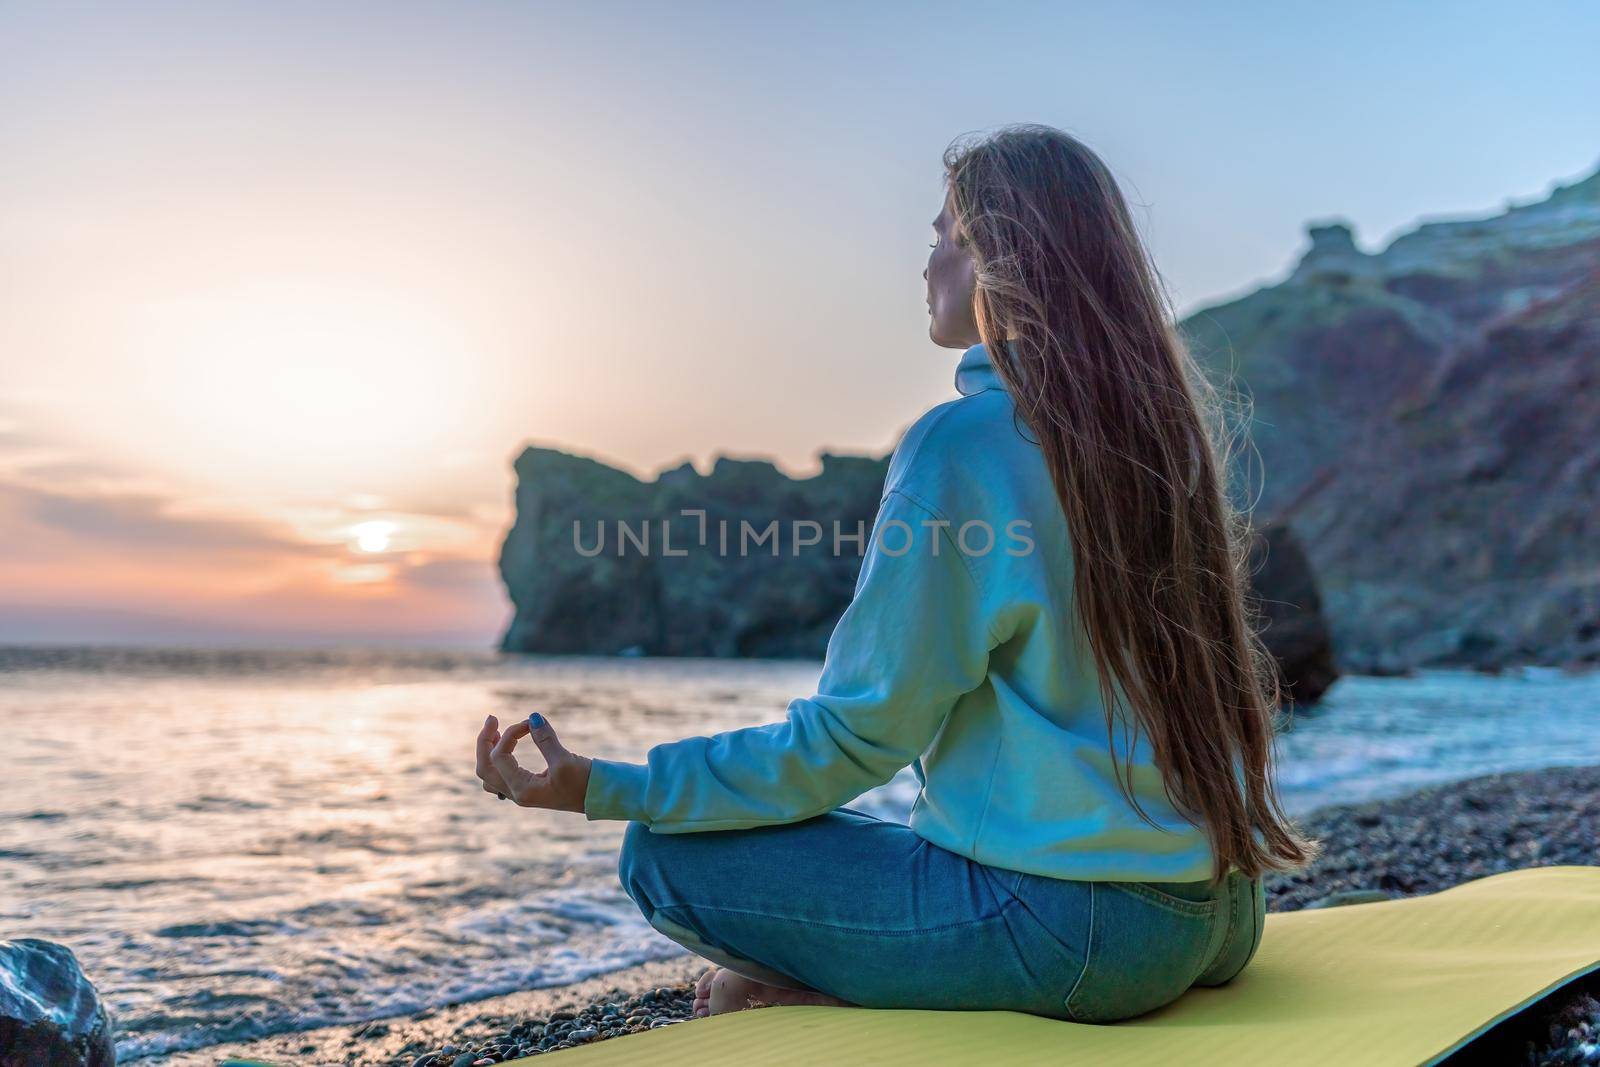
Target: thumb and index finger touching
x=536, y=727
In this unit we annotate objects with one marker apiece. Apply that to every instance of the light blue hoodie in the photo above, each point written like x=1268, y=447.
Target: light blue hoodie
x=957, y=655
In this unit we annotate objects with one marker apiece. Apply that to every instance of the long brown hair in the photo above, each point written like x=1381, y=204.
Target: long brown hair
x=1079, y=327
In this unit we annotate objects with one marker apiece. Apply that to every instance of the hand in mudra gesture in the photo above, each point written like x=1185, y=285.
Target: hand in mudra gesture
x=559, y=787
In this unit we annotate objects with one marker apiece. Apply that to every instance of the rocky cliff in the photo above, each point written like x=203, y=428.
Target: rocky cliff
x=1428, y=420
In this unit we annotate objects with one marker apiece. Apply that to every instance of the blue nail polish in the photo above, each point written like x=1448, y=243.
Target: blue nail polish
x=535, y=721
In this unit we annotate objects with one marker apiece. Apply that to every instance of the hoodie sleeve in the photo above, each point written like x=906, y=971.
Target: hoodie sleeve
x=912, y=641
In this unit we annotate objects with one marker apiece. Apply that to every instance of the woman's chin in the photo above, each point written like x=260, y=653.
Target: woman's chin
x=939, y=338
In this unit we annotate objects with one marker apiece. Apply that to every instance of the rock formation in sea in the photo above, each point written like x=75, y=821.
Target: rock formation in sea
x=593, y=563
x=779, y=597
x=1427, y=419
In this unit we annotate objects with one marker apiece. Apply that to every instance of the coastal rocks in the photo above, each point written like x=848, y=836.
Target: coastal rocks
x=565, y=1028
x=581, y=582
x=1572, y=1034
x=1426, y=417
x=50, y=1013
x=1446, y=835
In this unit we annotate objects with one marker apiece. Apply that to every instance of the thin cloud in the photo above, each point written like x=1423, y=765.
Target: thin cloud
x=84, y=475
x=143, y=521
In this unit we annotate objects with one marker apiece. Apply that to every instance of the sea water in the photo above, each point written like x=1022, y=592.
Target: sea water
x=244, y=842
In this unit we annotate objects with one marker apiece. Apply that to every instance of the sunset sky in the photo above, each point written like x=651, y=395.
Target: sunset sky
x=287, y=286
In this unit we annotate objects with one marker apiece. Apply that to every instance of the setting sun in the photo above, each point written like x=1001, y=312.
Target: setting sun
x=372, y=537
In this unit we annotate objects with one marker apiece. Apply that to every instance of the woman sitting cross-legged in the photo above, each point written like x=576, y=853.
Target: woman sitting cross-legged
x=1050, y=626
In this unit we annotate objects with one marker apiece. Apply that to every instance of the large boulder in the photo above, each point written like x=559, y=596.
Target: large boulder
x=50, y=1013
x=1289, y=614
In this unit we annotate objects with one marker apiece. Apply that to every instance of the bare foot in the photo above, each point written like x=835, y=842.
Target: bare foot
x=720, y=990
x=702, y=992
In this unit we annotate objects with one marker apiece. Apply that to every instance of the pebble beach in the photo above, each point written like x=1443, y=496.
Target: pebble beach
x=1409, y=845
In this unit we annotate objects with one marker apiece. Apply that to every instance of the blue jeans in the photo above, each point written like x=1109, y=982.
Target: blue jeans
x=866, y=910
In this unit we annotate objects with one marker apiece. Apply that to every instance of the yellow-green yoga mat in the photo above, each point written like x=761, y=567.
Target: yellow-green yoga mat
x=1394, y=982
